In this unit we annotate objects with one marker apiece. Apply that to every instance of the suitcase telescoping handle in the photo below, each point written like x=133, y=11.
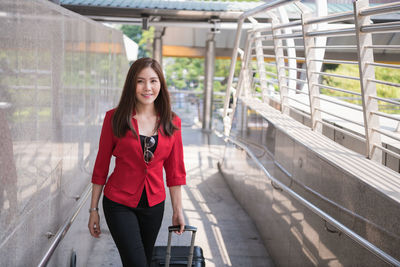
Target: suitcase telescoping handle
x=176, y=228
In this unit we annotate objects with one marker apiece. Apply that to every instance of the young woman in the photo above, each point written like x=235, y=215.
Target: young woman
x=143, y=135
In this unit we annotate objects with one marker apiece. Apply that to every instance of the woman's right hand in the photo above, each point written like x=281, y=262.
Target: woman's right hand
x=94, y=224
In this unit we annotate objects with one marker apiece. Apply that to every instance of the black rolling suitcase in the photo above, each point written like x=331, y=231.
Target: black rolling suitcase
x=174, y=256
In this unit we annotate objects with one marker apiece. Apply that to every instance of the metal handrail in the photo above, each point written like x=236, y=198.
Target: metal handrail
x=337, y=89
x=336, y=32
x=383, y=46
x=332, y=18
x=344, y=229
x=386, y=8
x=64, y=229
x=387, y=151
x=335, y=47
x=242, y=17
x=340, y=117
x=297, y=58
x=333, y=61
x=386, y=115
x=289, y=35
x=265, y=28
x=269, y=56
x=270, y=73
x=298, y=101
x=300, y=111
x=294, y=79
x=266, y=47
x=287, y=25
x=296, y=69
x=384, y=65
x=298, y=91
x=341, y=103
x=384, y=82
x=308, y=189
x=313, y=60
x=343, y=130
x=388, y=100
x=388, y=134
x=336, y=75
x=288, y=46
x=262, y=38
x=381, y=28
x=270, y=64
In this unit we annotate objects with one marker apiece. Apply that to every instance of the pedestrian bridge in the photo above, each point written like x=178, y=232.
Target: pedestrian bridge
x=284, y=169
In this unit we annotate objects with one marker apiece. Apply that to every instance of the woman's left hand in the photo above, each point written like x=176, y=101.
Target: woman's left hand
x=178, y=219
x=177, y=214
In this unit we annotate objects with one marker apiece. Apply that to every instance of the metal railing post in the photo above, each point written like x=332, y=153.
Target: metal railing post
x=368, y=89
x=232, y=66
x=208, y=82
x=158, y=44
x=280, y=64
x=243, y=82
x=226, y=117
x=312, y=76
x=261, y=8
x=261, y=66
x=58, y=237
x=291, y=51
x=312, y=207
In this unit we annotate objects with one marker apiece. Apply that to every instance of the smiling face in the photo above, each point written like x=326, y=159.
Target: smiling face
x=147, y=87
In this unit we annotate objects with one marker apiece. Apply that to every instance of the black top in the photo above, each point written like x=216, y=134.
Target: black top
x=153, y=148
x=143, y=203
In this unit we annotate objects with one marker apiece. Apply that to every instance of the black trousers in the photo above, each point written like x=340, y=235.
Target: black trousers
x=134, y=230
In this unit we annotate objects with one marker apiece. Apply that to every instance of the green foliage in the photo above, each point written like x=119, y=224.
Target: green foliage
x=188, y=73
x=184, y=73
x=330, y=67
x=347, y=84
x=388, y=75
x=132, y=31
x=383, y=74
x=268, y=68
x=144, y=39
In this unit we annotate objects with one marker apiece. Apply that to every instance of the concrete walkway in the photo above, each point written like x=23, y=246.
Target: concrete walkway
x=225, y=232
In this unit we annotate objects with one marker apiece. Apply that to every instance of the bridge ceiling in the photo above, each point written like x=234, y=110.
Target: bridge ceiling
x=161, y=10
x=187, y=23
x=183, y=10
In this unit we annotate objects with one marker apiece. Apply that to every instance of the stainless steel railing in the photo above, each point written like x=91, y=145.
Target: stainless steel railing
x=259, y=9
x=325, y=216
x=64, y=229
x=268, y=72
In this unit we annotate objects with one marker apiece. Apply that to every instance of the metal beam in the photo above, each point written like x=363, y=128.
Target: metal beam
x=312, y=74
x=208, y=83
x=158, y=44
x=368, y=89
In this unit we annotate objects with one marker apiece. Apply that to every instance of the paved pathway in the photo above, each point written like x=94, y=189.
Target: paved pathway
x=225, y=232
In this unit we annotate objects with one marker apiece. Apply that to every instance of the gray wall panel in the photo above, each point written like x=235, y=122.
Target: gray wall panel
x=295, y=236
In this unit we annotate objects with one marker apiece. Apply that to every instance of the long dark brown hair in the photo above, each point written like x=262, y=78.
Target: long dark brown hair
x=122, y=119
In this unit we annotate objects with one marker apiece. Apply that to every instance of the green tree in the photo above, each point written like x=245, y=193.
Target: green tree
x=144, y=39
x=184, y=73
x=384, y=74
x=188, y=73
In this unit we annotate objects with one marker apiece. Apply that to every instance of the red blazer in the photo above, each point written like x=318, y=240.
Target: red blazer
x=131, y=174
